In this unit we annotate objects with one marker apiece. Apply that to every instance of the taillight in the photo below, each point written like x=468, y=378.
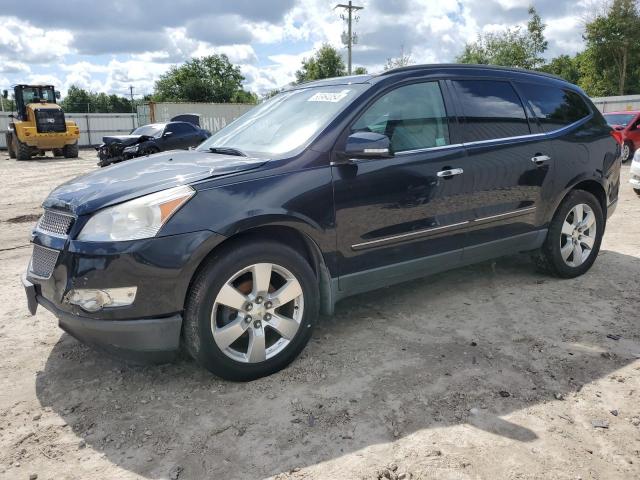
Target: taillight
x=617, y=135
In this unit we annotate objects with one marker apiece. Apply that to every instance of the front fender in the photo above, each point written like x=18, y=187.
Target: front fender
x=302, y=200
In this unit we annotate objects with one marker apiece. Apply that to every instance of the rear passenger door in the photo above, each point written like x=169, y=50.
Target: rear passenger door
x=510, y=164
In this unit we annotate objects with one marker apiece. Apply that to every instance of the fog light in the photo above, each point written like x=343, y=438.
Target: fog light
x=92, y=300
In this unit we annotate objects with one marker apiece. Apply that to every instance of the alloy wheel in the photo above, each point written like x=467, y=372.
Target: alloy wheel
x=257, y=313
x=626, y=152
x=578, y=235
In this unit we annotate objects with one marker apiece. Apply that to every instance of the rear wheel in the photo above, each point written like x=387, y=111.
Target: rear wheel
x=637, y=190
x=574, y=236
x=627, y=152
x=22, y=150
x=70, y=151
x=250, y=310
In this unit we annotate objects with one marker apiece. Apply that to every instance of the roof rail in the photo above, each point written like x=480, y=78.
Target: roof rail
x=410, y=68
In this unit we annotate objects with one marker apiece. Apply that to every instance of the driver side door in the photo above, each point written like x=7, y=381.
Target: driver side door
x=405, y=216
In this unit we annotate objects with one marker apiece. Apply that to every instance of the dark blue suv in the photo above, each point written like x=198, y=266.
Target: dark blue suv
x=326, y=190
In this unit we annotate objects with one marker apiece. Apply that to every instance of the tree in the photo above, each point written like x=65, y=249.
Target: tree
x=396, y=62
x=80, y=100
x=537, y=44
x=513, y=47
x=325, y=63
x=360, y=71
x=208, y=79
x=564, y=66
x=613, y=50
x=76, y=100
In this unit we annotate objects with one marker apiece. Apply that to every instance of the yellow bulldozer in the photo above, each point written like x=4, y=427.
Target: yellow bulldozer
x=39, y=124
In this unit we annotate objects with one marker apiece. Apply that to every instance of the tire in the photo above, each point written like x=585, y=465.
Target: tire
x=70, y=151
x=627, y=152
x=22, y=150
x=637, y=190
x=553, y=257
x=205, y=318
x=150, y=151
x=9, y=138
x=58, y=152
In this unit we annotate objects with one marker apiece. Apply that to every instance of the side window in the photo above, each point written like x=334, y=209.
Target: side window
x=554, y=107
x=413, y=117
x=179, y=128
x=491, y=109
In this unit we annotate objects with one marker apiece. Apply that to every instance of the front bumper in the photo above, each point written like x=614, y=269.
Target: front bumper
x=161, y=269
x=148, y=339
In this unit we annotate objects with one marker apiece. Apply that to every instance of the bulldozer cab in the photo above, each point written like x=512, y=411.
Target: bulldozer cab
x=26, y=94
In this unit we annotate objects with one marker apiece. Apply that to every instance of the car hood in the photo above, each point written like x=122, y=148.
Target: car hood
x=126, y=140
x=141, y=176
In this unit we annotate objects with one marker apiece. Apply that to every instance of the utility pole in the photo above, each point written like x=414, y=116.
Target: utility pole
x=131, y=94
x=351, y=38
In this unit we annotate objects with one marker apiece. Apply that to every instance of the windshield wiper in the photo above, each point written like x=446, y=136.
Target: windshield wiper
x=227, y=151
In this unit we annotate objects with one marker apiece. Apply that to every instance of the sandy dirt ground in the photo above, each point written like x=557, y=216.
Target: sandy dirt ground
x=487, y=372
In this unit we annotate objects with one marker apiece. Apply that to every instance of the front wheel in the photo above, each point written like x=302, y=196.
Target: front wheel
x=637, y=190
x=574, y=236
x=22, y=150
x=250, y=310
x=9, y=139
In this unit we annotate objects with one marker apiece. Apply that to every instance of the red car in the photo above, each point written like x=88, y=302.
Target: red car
x=628, y=124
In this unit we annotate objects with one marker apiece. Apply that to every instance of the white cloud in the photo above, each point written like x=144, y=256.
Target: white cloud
x=22, y=42
x=43, y=44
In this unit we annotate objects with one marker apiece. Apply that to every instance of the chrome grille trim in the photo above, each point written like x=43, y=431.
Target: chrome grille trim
x=43, y=261
x=55, y=223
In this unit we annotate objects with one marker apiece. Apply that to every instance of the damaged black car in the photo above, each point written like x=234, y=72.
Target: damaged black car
x=149, y=139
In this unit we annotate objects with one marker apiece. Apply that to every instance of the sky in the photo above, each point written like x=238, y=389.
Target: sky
x=109, y=45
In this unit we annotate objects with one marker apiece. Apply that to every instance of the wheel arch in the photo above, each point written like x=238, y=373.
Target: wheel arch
x=591, y=185
x=292, y=237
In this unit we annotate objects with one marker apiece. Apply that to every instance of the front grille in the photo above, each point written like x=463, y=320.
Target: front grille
x=50, y=120
x=43, y=261
x=56, y=223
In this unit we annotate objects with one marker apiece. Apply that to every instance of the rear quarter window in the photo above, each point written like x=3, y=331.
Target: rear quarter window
x=554, y=107
x=491, y=110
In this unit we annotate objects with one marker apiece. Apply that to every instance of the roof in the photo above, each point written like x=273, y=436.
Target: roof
x=34, y=85
x=623, y=112
x=450, y=68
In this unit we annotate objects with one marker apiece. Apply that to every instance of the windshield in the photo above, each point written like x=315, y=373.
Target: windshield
x=286, y=122
x=622, y=119
x=38, y=94
x=151, y=130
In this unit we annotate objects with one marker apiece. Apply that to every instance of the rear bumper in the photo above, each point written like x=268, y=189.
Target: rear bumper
x=141, y=340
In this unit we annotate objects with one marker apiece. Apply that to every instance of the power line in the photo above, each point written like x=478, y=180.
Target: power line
x=351, y=37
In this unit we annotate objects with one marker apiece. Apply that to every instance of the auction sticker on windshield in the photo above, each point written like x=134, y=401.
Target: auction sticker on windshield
x=332, y=97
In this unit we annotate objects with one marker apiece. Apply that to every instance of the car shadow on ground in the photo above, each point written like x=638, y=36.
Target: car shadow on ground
x=468, y=346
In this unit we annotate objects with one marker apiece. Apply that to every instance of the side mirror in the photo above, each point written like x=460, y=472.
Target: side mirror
x=368, y=145
x=57, y=94
x=5, y=93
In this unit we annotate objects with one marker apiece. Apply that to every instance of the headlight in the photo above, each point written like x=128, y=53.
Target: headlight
x=135, y=219
x=131, y=149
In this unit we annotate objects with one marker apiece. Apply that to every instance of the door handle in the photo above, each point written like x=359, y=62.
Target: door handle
x=450, y=172
x=540, y=159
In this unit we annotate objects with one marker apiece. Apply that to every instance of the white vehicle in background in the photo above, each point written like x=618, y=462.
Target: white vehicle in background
x=635, y=172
